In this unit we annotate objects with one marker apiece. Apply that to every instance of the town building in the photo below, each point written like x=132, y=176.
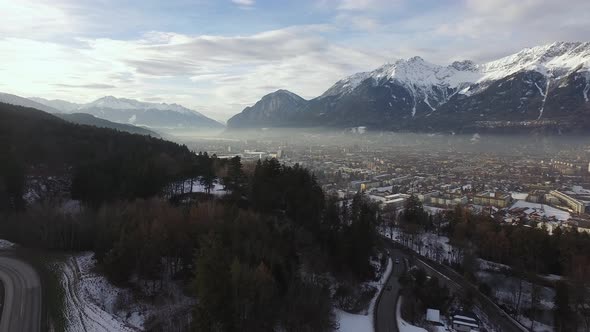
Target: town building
x=489, y=198
x=463, y=321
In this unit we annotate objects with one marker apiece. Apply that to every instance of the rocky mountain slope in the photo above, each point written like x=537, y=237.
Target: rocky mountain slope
x=542, y=88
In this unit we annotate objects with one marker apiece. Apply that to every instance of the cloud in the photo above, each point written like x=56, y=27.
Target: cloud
x=244, y=3
x=218, y=73
x=491, y=28
x=87, y=86
x=31, y=19
x=361, y=4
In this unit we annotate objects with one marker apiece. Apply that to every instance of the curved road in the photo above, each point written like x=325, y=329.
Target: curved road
x=385, y=320
x=21, y=308
x=385, y=316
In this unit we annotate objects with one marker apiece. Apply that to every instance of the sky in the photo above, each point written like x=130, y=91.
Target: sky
x=219, y=56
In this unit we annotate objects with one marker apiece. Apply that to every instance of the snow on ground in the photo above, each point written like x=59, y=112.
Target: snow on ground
x=438, y=246
x=433, y=210
x=543, y=209
x=485, y=265
x=402, y=325
x=552, y=277
x=217, y=190
x=353, y=323
x=5, y=244
x=360, y=323
x=519, y=196
x=92, y=303
x=506, y=288
x=81, y=309
x=537, y=327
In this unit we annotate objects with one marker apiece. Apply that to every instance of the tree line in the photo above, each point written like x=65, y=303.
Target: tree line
x=256, y=259
x=528, y=250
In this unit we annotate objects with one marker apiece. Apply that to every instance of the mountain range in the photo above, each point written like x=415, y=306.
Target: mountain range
x=158, y=116
x=544, y=88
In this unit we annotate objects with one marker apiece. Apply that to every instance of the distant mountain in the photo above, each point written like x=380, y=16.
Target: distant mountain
x=61, y=105
x=272, y=110
x=160, y=116
x=543, y=88
x=25, y=102
x=91, y=120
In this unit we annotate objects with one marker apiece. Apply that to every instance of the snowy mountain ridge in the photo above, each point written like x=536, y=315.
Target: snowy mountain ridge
x=540, y=88
x=131, y=104
x=552, y=60
x=160, y=116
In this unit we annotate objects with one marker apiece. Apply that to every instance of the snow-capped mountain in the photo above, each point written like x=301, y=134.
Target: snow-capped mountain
x=534, y=84
x=160, y=116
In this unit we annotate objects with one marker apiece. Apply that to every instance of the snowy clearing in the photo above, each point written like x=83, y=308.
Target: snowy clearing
x=92, y=303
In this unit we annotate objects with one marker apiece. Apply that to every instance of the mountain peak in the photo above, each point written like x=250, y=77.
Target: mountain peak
x=282, y=93
x=273, y=108
x=464, y=65
x=415, y=59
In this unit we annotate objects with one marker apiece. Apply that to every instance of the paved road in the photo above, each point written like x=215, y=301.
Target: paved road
x=22, y=296
x=456, y=283
x=385, y=318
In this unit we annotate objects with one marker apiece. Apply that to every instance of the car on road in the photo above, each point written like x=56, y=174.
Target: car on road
x=397, y=261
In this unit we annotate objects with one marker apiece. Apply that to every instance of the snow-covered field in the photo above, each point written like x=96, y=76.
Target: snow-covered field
x=543, y=210
x=93, y=304
x=360, y=323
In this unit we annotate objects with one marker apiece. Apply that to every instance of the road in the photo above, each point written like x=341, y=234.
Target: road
x=21, y=309
x=385, y=315
x=452, y=280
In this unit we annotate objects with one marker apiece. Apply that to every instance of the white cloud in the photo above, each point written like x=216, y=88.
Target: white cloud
x=356, y=5
x=244, y=2
x=32, y=19
x=219, y=73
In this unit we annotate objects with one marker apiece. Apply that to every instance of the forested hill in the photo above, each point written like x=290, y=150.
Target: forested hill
x=91, y=120
x=103, y=163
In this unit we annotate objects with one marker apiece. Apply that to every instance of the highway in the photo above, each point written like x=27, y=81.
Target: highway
x=21, y=309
